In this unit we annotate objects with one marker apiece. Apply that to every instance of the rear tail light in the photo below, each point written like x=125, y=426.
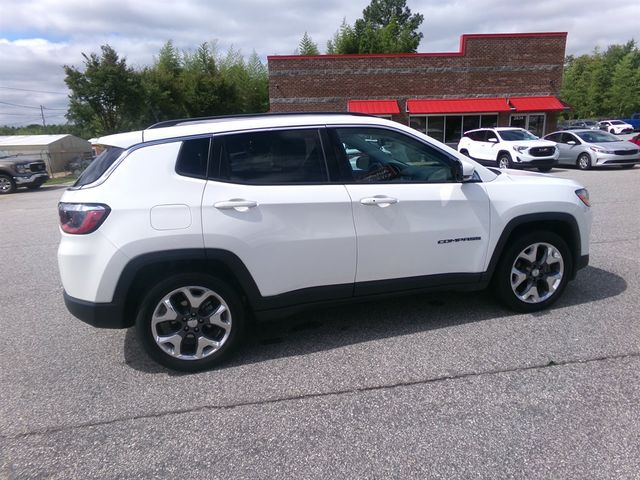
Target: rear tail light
x=583, y=194
x=82, y=218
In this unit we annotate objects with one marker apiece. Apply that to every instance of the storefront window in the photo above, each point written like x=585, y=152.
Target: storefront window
x=453, y=129
x=418, y=123
x=534, y=122
x=435, y=128
x=489, y=121
x=470, y=122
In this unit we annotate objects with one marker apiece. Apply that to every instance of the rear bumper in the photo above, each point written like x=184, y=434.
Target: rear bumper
x=99, y=315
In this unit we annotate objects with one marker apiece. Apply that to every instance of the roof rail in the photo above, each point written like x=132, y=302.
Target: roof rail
x=181, y=121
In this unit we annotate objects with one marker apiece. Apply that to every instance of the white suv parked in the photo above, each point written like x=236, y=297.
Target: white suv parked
x=190, y=228
x=507, y=147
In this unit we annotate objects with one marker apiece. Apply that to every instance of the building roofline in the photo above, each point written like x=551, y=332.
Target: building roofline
x=460, y=53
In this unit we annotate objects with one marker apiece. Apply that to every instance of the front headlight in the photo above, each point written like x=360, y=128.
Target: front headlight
x=600, y=150
x=22, y=167
x=519, y=148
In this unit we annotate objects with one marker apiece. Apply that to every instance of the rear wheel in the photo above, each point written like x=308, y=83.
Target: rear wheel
x=465, y=152
x=584, y=161
x=7, y=185
x=190, y=322
x=504, y=160
x=533, y=271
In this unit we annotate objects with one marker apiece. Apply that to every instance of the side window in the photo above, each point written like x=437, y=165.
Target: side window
x=554, y=137
x=491, y=135
x=567, y=137
x=379, y=156
x=273, y=157
x=193, y=158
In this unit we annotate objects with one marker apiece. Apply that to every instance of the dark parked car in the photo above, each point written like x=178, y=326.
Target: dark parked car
x=21, y=171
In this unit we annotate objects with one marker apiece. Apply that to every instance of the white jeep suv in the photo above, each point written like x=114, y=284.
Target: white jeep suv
x=190, y=228
x=508, y=147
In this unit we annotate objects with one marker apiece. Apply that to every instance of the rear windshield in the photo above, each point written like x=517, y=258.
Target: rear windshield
x=100, y=165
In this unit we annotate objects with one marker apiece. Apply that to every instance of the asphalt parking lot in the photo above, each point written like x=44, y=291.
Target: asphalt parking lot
x=442, y=386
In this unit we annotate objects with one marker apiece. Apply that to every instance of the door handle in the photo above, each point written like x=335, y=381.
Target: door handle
x=237, y=204
x=379, y=200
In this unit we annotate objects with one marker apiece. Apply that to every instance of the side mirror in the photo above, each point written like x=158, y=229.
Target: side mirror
x=467, y=170
x=492, y=140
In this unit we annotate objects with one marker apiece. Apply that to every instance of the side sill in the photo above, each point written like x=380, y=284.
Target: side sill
x=375, y=291
x=99, y=315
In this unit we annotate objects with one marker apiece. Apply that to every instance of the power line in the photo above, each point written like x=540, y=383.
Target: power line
x=36, y=91
x=21, y=106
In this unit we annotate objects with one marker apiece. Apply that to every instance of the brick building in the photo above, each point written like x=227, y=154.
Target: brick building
x=495, y=79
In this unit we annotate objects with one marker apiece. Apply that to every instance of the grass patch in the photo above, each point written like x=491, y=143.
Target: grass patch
x=61, y=180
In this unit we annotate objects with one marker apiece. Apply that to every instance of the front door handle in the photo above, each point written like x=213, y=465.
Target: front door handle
x=379, y=200
x=237, y=204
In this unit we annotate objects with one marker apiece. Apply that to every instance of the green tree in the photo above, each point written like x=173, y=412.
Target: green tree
x=344, y=40
x=307, y=46
x=604, y=83
x=106, y=96
x=386, y=26
x=163, y=86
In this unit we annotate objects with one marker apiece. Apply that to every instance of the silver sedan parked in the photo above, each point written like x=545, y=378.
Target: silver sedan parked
x=594, y=148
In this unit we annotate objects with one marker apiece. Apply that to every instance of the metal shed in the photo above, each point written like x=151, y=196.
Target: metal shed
x=56, y=150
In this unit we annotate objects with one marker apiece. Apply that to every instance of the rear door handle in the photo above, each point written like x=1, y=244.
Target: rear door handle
x=237, y=204
x=379, y=200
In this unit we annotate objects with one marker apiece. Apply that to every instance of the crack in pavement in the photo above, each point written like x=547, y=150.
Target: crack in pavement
x=307, y=396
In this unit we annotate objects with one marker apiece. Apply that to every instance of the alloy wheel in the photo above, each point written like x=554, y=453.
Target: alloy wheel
x=191, y=323
x=537, y=272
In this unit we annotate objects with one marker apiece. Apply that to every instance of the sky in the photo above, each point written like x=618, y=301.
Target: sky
x=38, y=37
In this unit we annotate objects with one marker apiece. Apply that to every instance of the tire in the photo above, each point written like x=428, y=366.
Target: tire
x=533, y=271
x=544, y=169
x=191, y=342
x=465, y=152
x=584, y=161
x=504, y=161
x=612, y=131
x=7, y=185
x=625, y=167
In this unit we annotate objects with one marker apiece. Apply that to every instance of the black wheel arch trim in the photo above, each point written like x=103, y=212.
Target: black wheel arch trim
x=574, y=243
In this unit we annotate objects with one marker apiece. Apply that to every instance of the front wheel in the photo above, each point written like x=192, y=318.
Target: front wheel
x=504, y=160
x=533, y=271
x=7, y=185
x=631, y=165
x=584, y=161
x=544, y=169
x=190, y=322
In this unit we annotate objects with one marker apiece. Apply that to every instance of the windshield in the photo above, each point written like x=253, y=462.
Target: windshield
x=97, y=167
x=596, y=136
x=515, y=135
x=617, y=122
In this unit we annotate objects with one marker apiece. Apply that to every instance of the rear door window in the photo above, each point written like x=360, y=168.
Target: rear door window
x=273, y=157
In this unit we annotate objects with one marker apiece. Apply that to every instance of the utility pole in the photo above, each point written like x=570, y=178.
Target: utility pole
x=42, y=113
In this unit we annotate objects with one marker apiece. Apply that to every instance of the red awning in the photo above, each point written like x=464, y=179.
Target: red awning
x=459, y=105
x=374, y=107
x=537, y=104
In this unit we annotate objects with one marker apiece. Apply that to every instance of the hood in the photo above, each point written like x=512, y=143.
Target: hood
x=621, y=145
x=525, y=176
x=531, y=143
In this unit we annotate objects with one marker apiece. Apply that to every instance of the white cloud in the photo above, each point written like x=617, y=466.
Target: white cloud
x=42, y=35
